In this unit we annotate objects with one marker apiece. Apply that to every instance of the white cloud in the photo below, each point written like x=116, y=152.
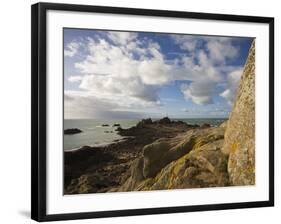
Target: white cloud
x=218, y=48
x=189, y=43
x=121, y=72
x=221, y=49
x=232, y=84
x=206, y=63
x=200, y=92
x=122, y=38
x=71, y=49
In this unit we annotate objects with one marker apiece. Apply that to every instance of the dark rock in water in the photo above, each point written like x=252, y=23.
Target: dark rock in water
x=72, y=131
x=205, y=125
x=105, y=125
x=116, y=125
x=108, y=131
x=164, y=120
x=147, y=130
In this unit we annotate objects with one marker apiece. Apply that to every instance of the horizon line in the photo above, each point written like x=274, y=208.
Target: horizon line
x=146, y=118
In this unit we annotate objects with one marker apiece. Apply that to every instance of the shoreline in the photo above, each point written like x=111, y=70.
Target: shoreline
x=105, y=168
x=95, y=146
x=121, y=138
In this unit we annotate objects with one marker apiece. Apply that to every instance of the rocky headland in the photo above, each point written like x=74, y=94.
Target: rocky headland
x=165, y=154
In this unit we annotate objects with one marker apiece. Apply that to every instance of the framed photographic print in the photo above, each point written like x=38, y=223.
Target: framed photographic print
x=139, y=111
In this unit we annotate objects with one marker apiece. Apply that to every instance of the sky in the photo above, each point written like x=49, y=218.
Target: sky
x=134, y=75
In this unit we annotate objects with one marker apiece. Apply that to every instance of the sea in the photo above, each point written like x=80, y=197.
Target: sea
x=95, y=134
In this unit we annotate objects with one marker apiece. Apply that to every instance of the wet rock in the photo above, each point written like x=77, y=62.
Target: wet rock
x=116, y=125
x=72, y=131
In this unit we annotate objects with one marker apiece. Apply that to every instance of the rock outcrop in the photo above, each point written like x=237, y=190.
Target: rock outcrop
x=102, y=169
x=240, y=132
x=190, y=160
x=72, y=131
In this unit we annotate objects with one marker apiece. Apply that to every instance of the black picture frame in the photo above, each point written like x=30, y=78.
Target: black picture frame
x=39, y=107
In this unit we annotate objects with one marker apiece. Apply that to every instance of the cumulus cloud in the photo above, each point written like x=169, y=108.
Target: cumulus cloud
x=122, y=38
x=207, y=63
x=232, y=84
x=71, y=49
x=221, y=49
x=189, y=43
x=200, y=92
x=218, y=48
x=120, y=71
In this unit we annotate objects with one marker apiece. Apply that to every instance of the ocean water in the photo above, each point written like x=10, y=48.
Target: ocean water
x=94, y=134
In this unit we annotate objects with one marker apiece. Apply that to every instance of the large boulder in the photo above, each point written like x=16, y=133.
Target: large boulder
x=205, y=166
x=163, y=151
x=240, y=132
x=191, y=159
x=135, y=176
x=155, y=157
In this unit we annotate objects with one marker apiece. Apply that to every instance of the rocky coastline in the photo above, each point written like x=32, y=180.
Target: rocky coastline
x=100, y=169
x=165, y=154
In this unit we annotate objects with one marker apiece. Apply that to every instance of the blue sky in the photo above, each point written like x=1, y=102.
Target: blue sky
x=110, y=74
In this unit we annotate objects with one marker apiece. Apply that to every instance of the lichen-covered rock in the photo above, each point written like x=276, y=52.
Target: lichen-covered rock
x=135, y=176
x=223, y=125
x=163, y=151
x=192, y=159
x=240, y=131
x=205, y=166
